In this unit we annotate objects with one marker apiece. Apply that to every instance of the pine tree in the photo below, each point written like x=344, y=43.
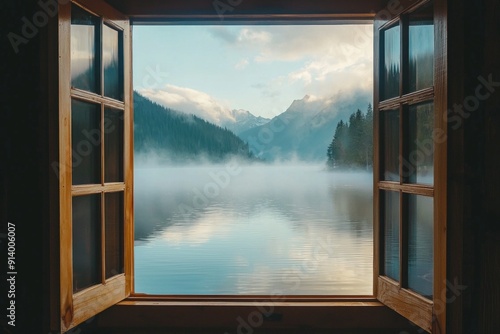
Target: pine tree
x=352, y=143
x=180, y=136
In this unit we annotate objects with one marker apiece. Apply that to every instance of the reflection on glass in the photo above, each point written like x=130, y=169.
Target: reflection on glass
x=390, y=144
x=392, y=62
x=86, y=241
x=113, y=145
x=421, y=49
x=86, y=142
x=84, y=50
x=419, y=166
x=390, y=222
x=112, y=56
x=420, y=244
x=114, y=233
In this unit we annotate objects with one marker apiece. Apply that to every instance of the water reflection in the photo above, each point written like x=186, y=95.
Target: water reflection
x=252, y=230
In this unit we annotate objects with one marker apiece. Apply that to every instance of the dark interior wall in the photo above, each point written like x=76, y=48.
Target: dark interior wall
x=474, y=181
x=489, y=205
x=23, y=162
x=474, y=165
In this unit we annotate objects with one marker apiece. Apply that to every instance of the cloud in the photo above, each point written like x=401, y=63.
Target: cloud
x=334, y=58
x=254, y=36
x=290, y=43
x=190, y=101
x=323, y=75
x=241, y=64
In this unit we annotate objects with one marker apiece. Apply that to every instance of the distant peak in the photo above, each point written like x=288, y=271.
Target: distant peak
x=240, y=111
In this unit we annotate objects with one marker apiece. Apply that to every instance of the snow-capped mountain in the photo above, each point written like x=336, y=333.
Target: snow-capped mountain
x=243, y=120
x=305, y=129
x=204, y=106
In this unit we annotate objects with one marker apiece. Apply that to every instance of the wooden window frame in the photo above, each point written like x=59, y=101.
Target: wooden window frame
x=220, y=310
x=76, y=307
x=411, y=305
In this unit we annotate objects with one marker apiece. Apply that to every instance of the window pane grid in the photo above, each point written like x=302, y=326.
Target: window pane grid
x=406, y=130
x=97, y=118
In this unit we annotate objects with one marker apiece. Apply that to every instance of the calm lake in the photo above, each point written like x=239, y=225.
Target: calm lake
x=236, y=229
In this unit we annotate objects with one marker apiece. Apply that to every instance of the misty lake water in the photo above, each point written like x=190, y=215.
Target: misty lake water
x=235, y=229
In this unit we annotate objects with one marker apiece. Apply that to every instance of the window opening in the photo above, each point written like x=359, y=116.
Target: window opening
x=253, y=158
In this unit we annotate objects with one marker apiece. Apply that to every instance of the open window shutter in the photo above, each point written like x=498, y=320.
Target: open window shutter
x=410, y=163
x=95, y=159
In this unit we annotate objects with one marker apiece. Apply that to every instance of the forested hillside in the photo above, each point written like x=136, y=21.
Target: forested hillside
x=181, y=137
x=352, y=144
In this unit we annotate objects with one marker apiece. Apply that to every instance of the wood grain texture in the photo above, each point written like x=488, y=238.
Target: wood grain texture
x=76, y=308
x=65, y=228
x=404, y=301
x=88, y=189
x=440, y=164
x=91, y=301
x=128, y=159
x=423, y=95
x=376, y=155
x=410, y=305
x=416, y=189
x=94, y=98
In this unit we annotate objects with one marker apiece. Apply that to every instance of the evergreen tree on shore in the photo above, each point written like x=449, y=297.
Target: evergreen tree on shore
x=352, y=143
x=182, y=137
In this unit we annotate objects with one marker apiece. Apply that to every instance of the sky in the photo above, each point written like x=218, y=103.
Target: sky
x=262, y=68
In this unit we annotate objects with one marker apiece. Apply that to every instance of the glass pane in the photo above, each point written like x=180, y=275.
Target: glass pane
x=84, y=50
x=113, y=145
x=86, y=142
x=421, y=49
x=114, y=233
x=392, y=62
x=390, y=221
x=419, y=164
x=389, y=134
x=420, y=244
x=86, y=241
x=112, y=57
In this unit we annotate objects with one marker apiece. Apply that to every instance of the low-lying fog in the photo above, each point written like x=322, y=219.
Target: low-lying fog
x=235, y=228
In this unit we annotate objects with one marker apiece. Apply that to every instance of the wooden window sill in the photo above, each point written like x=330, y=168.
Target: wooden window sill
x=160, y=312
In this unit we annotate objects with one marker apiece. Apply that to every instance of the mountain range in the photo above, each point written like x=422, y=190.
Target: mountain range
x=177, y=137
x=302, y=132
x=243, y=120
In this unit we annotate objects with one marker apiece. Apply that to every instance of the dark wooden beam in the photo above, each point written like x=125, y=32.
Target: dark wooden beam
x=249, y=316
x=157, y=10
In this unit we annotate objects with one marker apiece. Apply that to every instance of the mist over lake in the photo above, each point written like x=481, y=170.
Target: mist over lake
x=255, y=229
